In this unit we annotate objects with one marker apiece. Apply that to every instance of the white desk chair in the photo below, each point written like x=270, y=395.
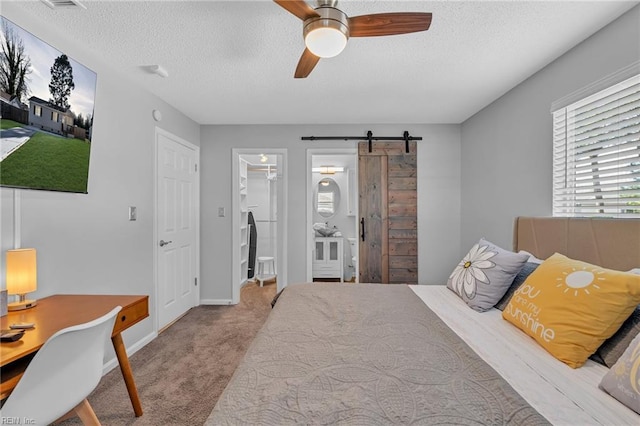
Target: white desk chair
x=62, y=374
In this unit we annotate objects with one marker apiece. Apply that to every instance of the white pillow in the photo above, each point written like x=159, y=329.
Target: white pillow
x=532, y=258
x=635, y=271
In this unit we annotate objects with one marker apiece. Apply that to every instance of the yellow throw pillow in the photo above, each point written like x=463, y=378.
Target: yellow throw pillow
x=570, y=307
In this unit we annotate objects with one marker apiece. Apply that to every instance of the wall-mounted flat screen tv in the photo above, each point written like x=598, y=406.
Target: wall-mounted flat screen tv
x=47, y=114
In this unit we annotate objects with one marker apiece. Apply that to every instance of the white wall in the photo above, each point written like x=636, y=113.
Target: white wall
x=261, y=194
x=85, y=242
x=507, y=147
x=438, y=194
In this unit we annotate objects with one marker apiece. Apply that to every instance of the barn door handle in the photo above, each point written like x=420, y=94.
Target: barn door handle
x=362, y=227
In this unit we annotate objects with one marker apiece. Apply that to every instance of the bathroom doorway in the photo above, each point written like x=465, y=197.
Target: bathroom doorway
x=259, y=236
x=332, y=212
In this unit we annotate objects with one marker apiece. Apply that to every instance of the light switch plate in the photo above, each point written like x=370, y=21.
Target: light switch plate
x=133, y=213
x=221, y=212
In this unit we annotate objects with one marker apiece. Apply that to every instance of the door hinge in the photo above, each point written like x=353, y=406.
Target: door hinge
x=195, y=281
x=196, y=167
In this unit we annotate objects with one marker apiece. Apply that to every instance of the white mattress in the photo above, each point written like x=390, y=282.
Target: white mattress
x=565, y=396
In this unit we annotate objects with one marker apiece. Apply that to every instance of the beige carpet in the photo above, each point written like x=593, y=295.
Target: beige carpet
x=181, y=374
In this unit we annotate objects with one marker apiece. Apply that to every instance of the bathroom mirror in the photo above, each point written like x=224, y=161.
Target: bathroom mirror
x=327, y=197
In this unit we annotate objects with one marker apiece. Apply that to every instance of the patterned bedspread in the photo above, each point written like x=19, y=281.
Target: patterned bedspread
x=364, y=354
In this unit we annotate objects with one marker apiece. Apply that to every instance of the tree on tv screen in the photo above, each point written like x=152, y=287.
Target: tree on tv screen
x=61, y=82
x=15, y=64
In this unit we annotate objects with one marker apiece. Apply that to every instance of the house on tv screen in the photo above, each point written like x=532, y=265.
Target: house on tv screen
x=50, y=117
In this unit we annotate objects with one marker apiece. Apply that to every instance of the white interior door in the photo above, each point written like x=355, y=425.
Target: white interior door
x=176, y=227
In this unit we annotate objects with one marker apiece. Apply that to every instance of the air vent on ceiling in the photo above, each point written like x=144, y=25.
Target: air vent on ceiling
x=56, y=4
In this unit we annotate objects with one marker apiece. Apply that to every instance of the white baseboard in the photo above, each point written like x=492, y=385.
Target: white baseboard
x=113, y=363
x=216, y=302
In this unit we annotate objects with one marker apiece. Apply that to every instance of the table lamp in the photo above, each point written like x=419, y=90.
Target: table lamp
x=22, y=277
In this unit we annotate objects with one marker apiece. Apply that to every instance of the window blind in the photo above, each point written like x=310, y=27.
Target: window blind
x=596, y=154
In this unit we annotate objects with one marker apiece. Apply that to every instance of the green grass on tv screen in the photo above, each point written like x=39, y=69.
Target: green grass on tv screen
x=9, y=124
x=47, y=161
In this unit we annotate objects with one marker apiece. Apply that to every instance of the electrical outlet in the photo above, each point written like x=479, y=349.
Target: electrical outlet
x=133, y=213
x=220, y=211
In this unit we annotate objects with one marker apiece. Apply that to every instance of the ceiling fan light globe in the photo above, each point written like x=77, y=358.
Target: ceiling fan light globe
x=326, y=42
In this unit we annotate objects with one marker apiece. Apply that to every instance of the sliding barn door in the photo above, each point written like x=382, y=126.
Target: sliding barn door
x=388, y=213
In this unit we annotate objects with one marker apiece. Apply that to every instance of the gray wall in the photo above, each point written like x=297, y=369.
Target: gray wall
x=85, y=242
x=438, y=194
x=507, y=147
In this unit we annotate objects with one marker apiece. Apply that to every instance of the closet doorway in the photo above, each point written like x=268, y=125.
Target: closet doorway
x=259, y=218
x=332, y=211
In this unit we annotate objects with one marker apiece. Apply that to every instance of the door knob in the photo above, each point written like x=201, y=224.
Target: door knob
x=164, y=243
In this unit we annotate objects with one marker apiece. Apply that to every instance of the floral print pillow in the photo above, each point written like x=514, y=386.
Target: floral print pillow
x=484, y=275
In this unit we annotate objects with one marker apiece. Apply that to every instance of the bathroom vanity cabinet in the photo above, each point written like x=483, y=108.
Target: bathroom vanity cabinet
x=328, y=258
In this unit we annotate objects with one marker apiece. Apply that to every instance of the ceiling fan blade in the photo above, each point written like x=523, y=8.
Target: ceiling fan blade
x=383, y=24
x=306, y=64
x=299, y=8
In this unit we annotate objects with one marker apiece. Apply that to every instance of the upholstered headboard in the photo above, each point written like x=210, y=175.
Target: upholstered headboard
x=610, y=243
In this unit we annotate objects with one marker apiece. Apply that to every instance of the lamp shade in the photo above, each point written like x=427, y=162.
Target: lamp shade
x=326, y=35
x=326, y=42
x=22, y=274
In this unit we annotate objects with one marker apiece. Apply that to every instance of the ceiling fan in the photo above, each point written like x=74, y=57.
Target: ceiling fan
x=326, y=28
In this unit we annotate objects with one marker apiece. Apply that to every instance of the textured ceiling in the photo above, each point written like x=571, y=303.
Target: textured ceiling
x=232, y=62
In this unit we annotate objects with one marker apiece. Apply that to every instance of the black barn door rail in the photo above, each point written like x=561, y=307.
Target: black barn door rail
x=369, y=137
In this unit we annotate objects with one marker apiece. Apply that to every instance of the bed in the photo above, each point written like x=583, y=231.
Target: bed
x=372, y=354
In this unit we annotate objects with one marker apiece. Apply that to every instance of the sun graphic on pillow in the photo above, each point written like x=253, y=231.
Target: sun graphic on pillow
x=580, y=279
